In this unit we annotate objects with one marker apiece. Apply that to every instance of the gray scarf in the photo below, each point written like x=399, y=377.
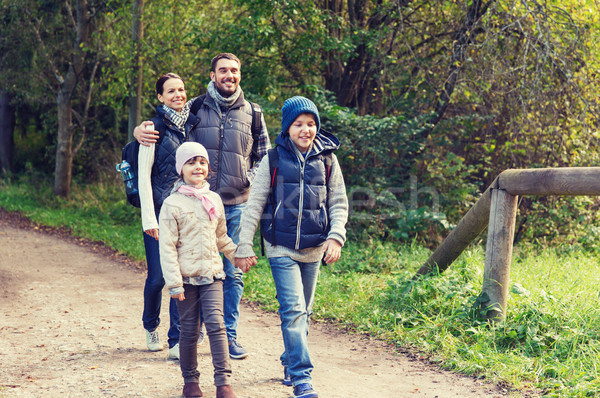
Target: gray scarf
x=219, y=99
x=178, y=118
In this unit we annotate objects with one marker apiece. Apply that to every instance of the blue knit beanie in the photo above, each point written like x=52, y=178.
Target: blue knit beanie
x=294, y=107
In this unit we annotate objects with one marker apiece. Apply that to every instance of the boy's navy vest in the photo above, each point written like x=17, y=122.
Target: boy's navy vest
x=295, y=215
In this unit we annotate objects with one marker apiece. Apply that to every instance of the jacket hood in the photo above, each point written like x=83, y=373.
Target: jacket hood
x=324, y=141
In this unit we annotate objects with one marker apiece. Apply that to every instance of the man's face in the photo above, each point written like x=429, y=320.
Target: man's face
x=226, y=76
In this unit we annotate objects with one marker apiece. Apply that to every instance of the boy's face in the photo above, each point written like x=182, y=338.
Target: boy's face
x=303, y=131
x=195, y=171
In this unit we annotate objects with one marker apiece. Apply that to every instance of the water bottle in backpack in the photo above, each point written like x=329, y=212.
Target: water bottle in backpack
x=128, y=177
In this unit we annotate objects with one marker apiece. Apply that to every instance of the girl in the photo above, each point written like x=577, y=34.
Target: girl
x=303, y=217
x=156, y=175
x=193, y=231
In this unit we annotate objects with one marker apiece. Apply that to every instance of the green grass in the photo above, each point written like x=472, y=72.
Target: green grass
x=550, y=341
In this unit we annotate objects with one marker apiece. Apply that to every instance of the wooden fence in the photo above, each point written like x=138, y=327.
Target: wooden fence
x=497, y=208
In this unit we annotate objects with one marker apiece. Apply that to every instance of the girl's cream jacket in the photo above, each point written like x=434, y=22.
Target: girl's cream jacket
x=189, y=242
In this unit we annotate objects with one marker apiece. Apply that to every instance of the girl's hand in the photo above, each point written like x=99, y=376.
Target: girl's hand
x=179, y=297
x=332, y=250
x=152, y=232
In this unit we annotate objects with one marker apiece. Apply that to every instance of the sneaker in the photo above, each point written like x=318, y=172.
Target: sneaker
x=305, y=390
x=174, y=352
x=236, y=351
x=202, y=334
x=153, y=341
x=287, y=381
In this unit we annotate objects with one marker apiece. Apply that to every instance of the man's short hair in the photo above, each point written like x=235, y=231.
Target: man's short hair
x=213, y=63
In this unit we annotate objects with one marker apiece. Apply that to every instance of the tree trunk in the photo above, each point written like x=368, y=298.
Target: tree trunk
x=64, y=147
x=135, y=92
x=64, y=144
x=7, y=127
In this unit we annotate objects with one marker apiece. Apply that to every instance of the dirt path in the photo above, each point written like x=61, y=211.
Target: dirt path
x=70, y=326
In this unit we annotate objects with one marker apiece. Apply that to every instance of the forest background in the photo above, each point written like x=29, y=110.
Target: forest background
x=430, y=100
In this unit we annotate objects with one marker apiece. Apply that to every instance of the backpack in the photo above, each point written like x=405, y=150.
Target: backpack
x=130, y=155
x=274, y=165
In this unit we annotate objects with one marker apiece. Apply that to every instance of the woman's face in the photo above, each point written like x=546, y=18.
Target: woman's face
x=173, y=94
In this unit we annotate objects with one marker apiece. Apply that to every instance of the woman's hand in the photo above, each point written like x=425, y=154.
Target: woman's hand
x=332, y=250
x=145, y=135
x=152, y=232
x=179, y=297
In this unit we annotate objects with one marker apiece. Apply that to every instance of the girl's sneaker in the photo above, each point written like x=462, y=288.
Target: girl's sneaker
x=305, y=390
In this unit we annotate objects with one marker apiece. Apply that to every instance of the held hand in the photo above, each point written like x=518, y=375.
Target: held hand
x=144, y=134
x=179, y=297
x=152, y=232
x=332, y=250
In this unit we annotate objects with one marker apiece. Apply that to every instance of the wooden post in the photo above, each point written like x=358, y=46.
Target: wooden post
x=469, y=227
x=498, y=253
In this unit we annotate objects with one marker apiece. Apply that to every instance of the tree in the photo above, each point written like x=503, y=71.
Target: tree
x=137, y=71
x=7, y=126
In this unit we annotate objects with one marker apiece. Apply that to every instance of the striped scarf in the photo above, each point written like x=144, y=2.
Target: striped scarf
x=178, y=118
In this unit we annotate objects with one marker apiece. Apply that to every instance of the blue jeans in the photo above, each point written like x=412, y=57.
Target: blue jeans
x=233, y=288
x=295, y=283
x=153, y=293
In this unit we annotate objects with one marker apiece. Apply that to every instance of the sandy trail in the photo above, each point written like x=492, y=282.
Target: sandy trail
x=70, y=326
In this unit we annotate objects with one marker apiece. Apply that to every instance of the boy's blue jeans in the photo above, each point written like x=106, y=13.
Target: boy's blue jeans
x=153, y=293
x=295, y=283
x=233, y=288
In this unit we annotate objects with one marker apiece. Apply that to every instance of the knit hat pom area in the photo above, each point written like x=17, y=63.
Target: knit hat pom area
x=189, y=150
x=294, y=107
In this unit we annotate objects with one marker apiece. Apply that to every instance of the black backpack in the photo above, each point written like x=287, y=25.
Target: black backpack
x=130, y=155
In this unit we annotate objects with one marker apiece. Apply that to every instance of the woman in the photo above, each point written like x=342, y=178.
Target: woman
x=156, y=174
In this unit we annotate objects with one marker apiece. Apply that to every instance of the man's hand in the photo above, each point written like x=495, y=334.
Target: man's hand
x=145, y=133
x=152, y=232
x=332, y=250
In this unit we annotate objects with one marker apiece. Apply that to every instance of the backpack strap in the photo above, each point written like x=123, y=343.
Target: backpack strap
x=273, y=157
x=256, y=128
x=198, y=102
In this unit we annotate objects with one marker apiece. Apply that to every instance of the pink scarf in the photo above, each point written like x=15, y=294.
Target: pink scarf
x=199, y=193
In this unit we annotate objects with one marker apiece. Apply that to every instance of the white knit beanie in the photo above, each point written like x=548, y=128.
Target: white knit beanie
x=189, y=150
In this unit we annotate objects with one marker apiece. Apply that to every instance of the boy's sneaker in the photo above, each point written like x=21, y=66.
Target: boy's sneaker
x=174, y=352
x=287, y=381
x=305, y=390
x=236, y=351
x=153, y=341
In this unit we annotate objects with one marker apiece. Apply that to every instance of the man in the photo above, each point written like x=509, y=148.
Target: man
x=225, y=130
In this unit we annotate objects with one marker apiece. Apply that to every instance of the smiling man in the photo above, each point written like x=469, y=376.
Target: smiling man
x=225, y=130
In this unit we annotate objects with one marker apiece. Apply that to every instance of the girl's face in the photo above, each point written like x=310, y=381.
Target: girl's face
x=173, y=94
x=303, y=131
x=195, y=171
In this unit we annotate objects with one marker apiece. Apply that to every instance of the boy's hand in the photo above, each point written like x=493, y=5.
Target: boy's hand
x=332, y=250
x=144, y=135
x=179, y=297
x=245, y=263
